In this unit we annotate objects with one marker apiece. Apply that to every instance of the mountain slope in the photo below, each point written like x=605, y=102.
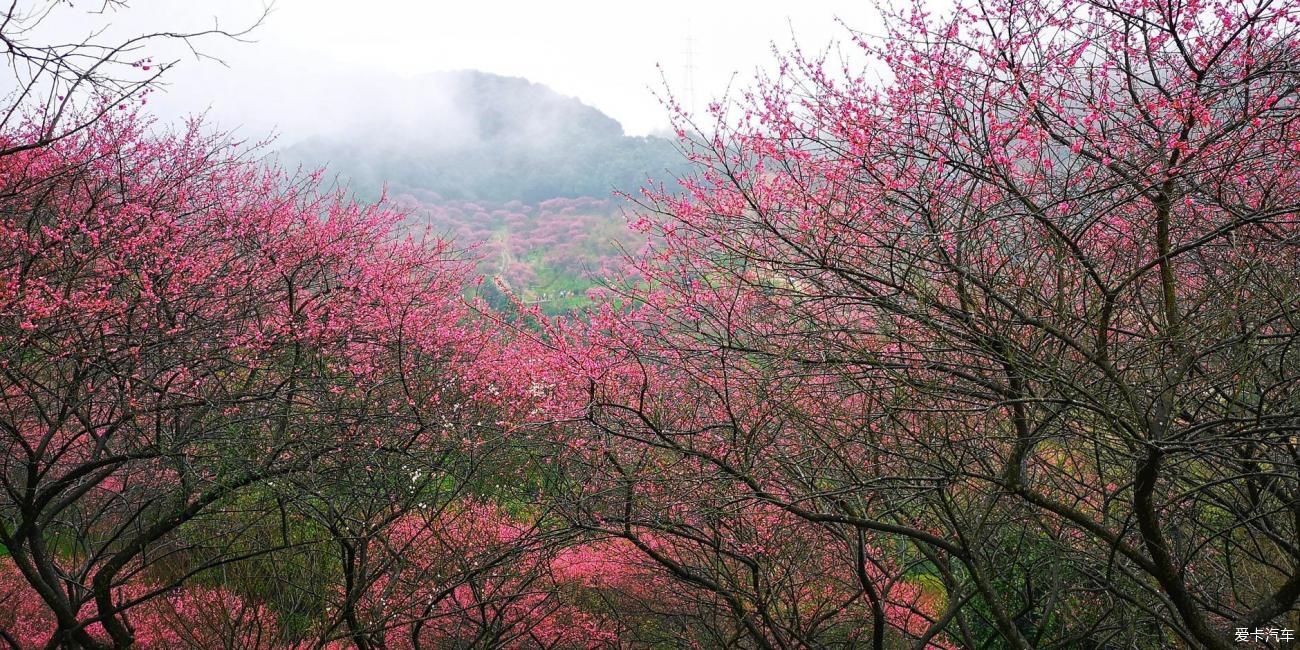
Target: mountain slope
x=476, y=136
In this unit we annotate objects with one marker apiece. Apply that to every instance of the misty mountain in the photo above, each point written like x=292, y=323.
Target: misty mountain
x=475, y=136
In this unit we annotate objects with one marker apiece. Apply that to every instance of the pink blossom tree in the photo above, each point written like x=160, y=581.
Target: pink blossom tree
x=191, y=347
x=1019, y=317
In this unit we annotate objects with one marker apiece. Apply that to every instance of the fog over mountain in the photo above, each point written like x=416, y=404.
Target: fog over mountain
x=472, y=135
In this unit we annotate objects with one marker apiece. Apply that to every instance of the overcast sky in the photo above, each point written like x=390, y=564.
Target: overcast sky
x=296, y=77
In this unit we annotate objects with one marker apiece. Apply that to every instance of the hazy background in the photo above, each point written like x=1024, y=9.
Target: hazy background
x=317, y=63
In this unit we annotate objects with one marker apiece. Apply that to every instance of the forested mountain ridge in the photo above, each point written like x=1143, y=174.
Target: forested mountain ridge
x=469, y=135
